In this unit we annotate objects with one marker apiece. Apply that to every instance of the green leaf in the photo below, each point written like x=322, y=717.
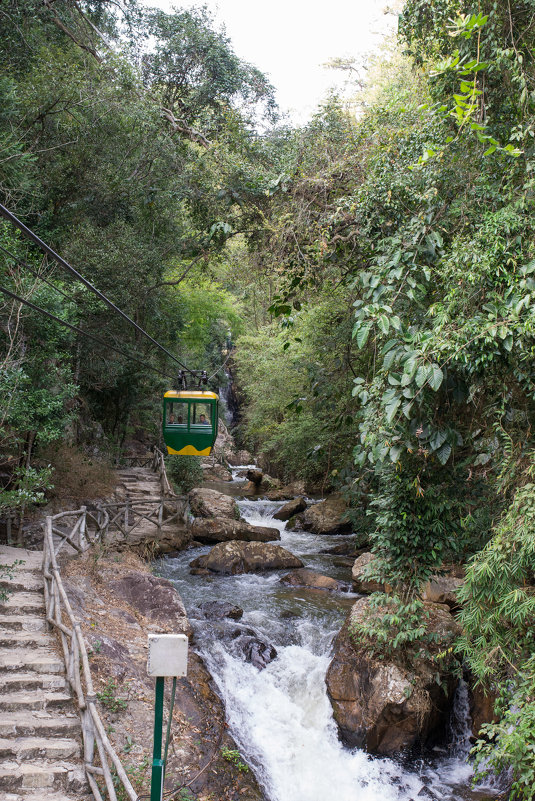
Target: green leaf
x=436, y=377
x=443, y=454
x=362, y=335
x=391, y=410
x=421, y=375
x=384, y=324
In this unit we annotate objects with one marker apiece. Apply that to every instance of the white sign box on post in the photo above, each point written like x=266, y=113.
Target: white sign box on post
x=168, y=655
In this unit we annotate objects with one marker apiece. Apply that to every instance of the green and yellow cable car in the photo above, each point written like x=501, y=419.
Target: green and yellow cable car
x=190, y=421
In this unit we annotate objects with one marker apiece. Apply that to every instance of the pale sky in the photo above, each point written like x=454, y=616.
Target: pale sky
x=289, y=40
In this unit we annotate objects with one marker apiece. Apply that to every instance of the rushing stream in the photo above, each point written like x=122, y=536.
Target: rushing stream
x=280, y=716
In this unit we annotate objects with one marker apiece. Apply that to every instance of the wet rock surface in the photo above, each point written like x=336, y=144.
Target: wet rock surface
x=482, y=703
x=327, y=517
x=218, y=610
x=257, y=652
x=309, y=578
x=245, y=557
x=206, y=502
x=290, y=509
x=286, y=493
x=387, y=705
x=225, y=529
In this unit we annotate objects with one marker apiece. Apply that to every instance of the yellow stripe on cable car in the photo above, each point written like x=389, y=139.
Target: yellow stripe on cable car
x=189, y=450
x=194, y=394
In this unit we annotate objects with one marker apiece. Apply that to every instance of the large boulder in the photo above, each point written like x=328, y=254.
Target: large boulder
x=223, y=529
x=290, y=509
x=388, y=705
x=309, y=578
x=482, y=705
x=210, y=503
x=246, y=557
x=287, y=492
x=219, y=610
x=216, y=472
x=255, y=476
x=327, y=517
x=443, y=590
x=239, y=458
x=154, y=597
x=361, y=583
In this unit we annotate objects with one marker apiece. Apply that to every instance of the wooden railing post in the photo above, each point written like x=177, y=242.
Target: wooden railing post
x=81, y=536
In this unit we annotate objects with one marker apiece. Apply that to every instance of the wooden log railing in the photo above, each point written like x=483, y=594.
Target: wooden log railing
x=60, y=616
x=158, y=465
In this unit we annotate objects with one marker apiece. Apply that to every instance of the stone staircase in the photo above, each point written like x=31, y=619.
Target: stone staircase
x=40, y=734
x=139, y=485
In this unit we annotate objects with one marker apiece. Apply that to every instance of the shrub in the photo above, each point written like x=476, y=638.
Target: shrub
x=185, y=472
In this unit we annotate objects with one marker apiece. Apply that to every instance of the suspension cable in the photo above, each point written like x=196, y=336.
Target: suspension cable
x=82, y=332
x=25, y=264
x=61, y=261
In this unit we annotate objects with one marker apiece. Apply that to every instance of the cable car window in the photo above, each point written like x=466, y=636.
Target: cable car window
x=177, y=414
x=201, y=414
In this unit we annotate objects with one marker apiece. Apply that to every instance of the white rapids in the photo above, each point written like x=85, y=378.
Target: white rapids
x=281, y=716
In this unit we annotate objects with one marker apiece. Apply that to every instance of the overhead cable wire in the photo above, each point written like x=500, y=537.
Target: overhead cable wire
x=34, y=272
x=78, y=330
x=65, y=264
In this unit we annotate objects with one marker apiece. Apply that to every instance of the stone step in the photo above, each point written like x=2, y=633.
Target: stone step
x=38, y=724
x=13, y=682
x=26, y=639
x=39, y=748
x=22, y=602
x=31, y=559
x=43, y=776
x=23, y=581
x=42, y=660
x=24, y=699
x=23, y=622
x=50, y=796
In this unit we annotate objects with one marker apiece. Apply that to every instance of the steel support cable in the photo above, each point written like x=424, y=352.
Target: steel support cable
x=78, y=330
x=25, y=264
x=61, y=261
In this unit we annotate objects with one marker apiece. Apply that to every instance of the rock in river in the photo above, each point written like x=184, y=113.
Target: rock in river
x=223, y=529
x=327, y=517
x=387, y=705
x=210, y=503
x=290, y=509
x=218, y=610
x=246, y=557
x=309, y=578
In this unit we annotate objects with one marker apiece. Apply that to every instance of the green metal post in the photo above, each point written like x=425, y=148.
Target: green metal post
x=156, y=782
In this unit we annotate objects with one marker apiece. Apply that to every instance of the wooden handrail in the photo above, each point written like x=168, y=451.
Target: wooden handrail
x=74, y=647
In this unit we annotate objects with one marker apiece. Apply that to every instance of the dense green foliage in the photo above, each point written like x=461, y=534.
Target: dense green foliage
x=137, y=159
x=375, y=271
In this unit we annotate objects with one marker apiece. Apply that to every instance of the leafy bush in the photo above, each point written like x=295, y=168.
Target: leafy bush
x=394, y=628
x=508, y=744
x=185, y=472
